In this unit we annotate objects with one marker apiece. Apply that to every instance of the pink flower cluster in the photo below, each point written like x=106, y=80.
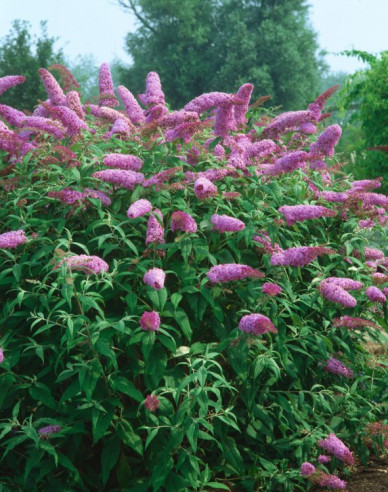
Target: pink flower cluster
x=224, y=223
x=12, y=239
x=181, y=221
x=155, y=278
x=84, y=263
x=10, y=81
x=300, y=213
x=299, y=256
x=132, y=107
x=229, y=272
x=271, y=289
x=139, y=208
x=335, y=289
x=123, y=161
x=337, y=448
x=151, y=403
x=335, y=366
x=204, y=188
x=125, y=178
x=150, y=321
x=354, y=322
x=155, y=231
x=256, y=324
x=375, y=295
x=153, y=94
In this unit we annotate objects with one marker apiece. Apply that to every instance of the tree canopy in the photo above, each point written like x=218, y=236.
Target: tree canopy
x=202, y=45
x=23, y=54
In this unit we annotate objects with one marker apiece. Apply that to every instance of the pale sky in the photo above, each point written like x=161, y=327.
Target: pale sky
x=99, y=27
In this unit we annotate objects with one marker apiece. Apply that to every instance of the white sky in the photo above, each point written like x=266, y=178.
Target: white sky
x=99, y=26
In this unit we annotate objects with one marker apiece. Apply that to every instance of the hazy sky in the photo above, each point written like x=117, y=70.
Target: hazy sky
x=99, y=26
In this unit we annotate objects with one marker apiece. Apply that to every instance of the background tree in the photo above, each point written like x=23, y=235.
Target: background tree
x=202, y=45
x=365, y=97
x=23, y=54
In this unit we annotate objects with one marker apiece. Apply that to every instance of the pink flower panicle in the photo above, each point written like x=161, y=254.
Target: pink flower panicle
x=323, y=459
x=331, y=481
x=177, y=118
x=181, y=221
x=299, y=256
x=375, y=295
x=155, y=231
x=326, y=141
x=229, y=272
x=155, y=278
x=84, y=263
x=10, y=81
x=105, y=86
x=53, y=89
x=124, y=178
x=266, y=243
x=158, y=178
x=231, y=195
x=263, y=148
x=337, y=448
x=333, y=196
x=204, y=188
x=153, y=94
x=123, y=161
x=354, y=322
x=285, y=121
x=156, y=113
x=373, y=254
x=224, y=223
x=271, y=289
x=45, y=125
x=11, y=115
x=244, y=94
x=139, y=208
x=345, y=283
x=256, y=324
x=335, y=366
x=69, y=119
x=307, y=469
x=185, y=131
x=209, y=100
x=292, y=161
x=225, y=121
x=74, y=103
x=151, y=403
x=295, y=213
x=379, y=278
x=12, y=239
x=150, y=321
x=45, y=432
x=132, y=107
x=365, y=184
x=121, y=127
x=1, y=356
x=335, y=293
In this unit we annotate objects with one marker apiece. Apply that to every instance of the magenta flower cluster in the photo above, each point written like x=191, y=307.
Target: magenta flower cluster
x=257, y=324
x=229, y=272
x=12, y=239
x=84, y=263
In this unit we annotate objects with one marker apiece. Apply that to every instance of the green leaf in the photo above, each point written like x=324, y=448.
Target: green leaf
x=109, y=457
x=184, y=323
x=129, y=437
x=122, y=384
x=41, y=393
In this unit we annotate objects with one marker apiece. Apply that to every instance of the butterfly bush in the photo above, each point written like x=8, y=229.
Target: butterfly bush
x=194, y=401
